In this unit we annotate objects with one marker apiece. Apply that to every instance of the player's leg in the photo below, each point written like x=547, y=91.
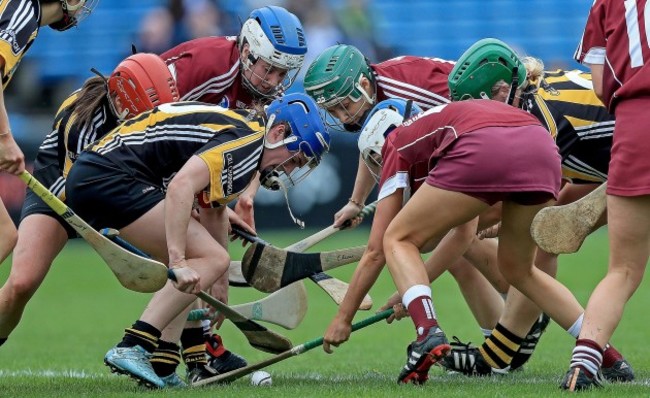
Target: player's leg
x=8, y=233
x=209, y=259
x=413, y=226
x=629, y=234
x=40, y=239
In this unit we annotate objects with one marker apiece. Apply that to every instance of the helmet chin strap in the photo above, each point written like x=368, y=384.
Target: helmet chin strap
x=270, y=179
x=513, y=86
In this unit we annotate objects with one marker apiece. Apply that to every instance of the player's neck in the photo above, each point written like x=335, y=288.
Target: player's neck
x=51, y=12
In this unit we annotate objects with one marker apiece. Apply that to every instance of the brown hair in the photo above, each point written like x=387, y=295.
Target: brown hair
x=88, y=100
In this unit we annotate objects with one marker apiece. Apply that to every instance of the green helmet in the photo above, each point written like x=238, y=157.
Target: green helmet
x=335, y=75
x=485, y=63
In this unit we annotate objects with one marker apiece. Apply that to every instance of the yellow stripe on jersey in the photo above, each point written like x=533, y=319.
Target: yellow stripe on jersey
x=549, y=120
x=583, y=97
x=67, y=162
x=214, y=160
x=578, y=122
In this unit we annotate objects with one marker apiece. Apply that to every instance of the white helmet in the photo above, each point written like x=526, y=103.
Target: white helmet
x=383, y=118
x=276, y=36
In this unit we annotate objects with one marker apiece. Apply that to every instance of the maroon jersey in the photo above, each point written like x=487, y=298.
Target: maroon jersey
x=412, y=149
x=616, y=35
x=423, y=80
x=207, y=70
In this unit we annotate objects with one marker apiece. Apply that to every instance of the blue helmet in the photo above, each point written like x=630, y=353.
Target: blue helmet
x=276, y=36
x=381, y=120
x=308, y=132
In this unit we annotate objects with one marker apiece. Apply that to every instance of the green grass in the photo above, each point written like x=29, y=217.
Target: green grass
x=81, y=311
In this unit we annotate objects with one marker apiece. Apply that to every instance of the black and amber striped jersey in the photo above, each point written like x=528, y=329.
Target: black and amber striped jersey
x=156, y=144
x=73, y=137
x=67, y=139
x=19, y=24
x=565, y=103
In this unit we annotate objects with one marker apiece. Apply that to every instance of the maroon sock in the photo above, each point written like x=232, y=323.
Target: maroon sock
x=587, y=355
x=610, y=356
x=422, y=314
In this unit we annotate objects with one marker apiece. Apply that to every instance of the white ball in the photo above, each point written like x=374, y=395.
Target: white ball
x=261, y=378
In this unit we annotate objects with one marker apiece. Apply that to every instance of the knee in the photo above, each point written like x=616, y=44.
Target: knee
x=21, y=288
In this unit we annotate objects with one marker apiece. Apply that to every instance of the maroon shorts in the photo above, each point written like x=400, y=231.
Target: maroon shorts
x=629, y=167
x=493, y=164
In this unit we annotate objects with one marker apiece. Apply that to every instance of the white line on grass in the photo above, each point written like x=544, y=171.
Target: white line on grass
x=311, y=376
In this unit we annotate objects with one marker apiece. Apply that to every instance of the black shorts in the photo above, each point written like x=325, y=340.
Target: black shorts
x=107, y=196
x=48, y=173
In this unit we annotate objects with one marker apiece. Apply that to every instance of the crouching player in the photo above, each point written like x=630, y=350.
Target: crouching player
x=142, y=177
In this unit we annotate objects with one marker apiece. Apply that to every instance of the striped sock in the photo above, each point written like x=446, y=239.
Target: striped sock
x=610, y=356
x=587, y=355
x=500, y=347
x=142, y=334
x=193, y=343
x=166, y=358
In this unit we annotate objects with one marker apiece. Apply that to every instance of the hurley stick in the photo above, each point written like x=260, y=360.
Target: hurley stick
x=563, y=229
x=257, y=335
x=297, y=350
x=134, y=272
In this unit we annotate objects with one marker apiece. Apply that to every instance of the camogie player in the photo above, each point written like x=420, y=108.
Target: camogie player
x=566, y=105
x=440, y=172
x=145, y=188
x=139, y=83
x=616, y=49
x=347, y=86
x=236, y=73
x=20, y=21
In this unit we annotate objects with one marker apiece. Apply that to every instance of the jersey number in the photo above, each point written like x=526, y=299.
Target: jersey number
x=633, y=34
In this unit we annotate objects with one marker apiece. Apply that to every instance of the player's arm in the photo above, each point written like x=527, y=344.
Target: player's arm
x=597, y=79
x=366, y=273
x=244, y=206
x=362, y=187
x=12, y=159
x=190, y=179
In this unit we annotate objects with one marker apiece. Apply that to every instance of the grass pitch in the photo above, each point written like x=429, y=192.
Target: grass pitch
x=81, y=311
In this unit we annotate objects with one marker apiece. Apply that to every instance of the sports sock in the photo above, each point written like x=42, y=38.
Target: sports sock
x=207, y=327
x=142, y=334
x=500, y=347
x=193, y=348
x=166, y=358
x=417, y=299
x=587, y=355
x=610, y=356
x=574, y=330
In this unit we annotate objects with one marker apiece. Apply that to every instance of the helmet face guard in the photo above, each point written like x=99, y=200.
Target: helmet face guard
x=484, y=64
x=73, y=14
x=275, y=36
x=140, y=83
x=383, y=119
x=335, y=75
x=308, y=138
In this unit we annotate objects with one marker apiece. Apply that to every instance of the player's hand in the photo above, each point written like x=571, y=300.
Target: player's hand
x=187, y=280
x=245, y=209
x=235, y=219
x=337, y=333
x=12, y=159
x=395, y=302
x=491, y=232
x=347, y=212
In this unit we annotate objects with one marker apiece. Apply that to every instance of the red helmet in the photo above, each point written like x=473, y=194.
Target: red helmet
x=140, y=82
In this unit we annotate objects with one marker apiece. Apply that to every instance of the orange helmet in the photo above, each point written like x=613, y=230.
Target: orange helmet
x=140, y=82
